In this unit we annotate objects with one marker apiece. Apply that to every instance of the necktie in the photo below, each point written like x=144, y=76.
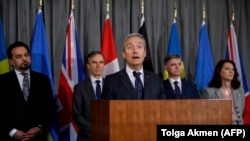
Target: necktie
x=25, y=85
x=138, y=84
x=98, y=89
x=177, y=90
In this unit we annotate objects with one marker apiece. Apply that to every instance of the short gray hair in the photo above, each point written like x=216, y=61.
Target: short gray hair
x=134, y=35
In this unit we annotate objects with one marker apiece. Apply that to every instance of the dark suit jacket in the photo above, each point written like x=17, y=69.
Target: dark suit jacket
x=82, y=96
x=118, y=86
x=22, y=115
x=188, y=90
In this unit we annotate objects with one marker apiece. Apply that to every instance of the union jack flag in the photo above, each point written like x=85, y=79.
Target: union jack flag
x=234, y=55
x=72, y=72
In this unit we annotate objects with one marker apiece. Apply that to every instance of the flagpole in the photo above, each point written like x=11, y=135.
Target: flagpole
x=107, y=6
x=142, y=7
x=175, y=10
x=233, y=15
x=40, y=4
x=72, y=5
x=203, y=11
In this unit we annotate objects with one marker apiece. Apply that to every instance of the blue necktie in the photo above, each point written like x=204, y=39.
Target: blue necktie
x=138, y=84
x=98, y=89
x=177, y=90
x=25, y=85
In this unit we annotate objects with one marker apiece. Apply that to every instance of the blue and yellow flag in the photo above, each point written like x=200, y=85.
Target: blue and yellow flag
x=174, y=47
x=4, y=64
x=41, y=62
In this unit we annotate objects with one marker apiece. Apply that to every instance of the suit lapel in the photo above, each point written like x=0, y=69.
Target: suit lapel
x=16, y=83
x=183, y=85
x=169, y=87
x=147, y=84
x=90, y=88
x=235, y=95
x=127, y=83
x=15, y=86
x=218, y=93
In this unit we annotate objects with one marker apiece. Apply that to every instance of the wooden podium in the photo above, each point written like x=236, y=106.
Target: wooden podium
x=137, y=120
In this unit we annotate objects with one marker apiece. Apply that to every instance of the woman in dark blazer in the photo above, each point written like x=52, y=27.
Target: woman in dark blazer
x=225, y=85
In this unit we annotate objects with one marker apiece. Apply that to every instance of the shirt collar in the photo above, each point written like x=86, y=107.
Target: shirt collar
x=172, y=80
x=130, y=71
x=93, y=79
x=19, y=72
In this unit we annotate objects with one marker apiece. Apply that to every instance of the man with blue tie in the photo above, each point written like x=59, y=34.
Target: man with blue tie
x=175, y=87
x=86, y=91
x=133, y=82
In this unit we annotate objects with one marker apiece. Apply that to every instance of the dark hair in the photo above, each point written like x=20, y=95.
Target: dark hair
x=171, y=56
x=14, y=45
x=216, y=80
x=91, y=54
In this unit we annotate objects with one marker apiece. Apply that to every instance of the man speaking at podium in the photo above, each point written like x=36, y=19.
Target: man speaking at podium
x=133, y=82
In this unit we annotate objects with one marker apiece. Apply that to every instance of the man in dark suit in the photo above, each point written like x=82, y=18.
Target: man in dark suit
x=133, y=82
x=25, y=117
x=85, y=91
x=175, y=87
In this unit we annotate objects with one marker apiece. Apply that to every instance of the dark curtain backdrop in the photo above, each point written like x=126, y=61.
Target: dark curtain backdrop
x=19, y=16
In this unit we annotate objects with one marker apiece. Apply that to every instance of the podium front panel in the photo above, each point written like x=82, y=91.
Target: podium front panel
x=137, y=120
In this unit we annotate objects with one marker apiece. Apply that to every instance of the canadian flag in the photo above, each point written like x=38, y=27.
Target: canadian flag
x=108, y=49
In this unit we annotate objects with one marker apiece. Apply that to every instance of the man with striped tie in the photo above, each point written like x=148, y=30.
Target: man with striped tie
x=26, y=98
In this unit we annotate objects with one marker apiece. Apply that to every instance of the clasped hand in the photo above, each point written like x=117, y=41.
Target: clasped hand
x=27, y=136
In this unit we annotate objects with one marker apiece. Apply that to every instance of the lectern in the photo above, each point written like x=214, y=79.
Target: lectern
x=137, y=120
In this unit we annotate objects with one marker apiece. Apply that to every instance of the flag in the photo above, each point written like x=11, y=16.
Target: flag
x=147, y=64
x=72, y=72
x=4, y=64
x=204, y=60
x=108, y=49
x=174, y=47
x=41, y=62
x=233, y=54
